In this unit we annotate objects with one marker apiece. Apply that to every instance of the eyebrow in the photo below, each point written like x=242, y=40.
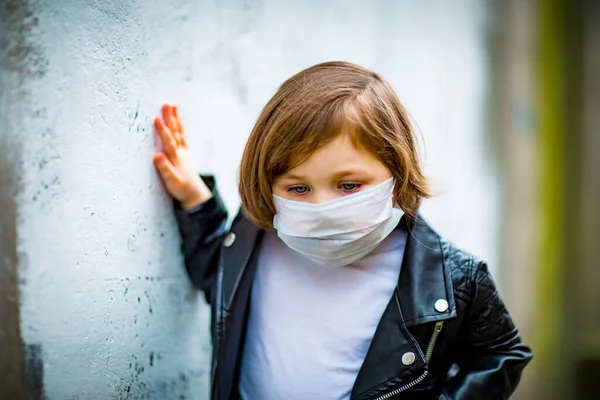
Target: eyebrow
x=291, y=177
x=337, y=174
x=345, y=172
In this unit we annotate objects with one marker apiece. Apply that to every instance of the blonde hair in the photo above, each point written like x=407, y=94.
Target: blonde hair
x=312, y=108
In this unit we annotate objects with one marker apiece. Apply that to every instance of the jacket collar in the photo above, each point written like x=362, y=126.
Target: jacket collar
x=425, y=278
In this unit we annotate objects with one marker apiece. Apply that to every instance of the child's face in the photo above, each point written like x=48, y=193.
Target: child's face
x=335, y=170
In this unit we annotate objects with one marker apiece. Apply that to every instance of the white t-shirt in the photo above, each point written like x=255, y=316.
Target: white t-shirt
x=310, y=326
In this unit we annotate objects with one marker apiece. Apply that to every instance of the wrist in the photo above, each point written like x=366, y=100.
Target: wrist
x=199, y=194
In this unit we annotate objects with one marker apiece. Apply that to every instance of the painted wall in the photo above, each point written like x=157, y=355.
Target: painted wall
x=106, y=310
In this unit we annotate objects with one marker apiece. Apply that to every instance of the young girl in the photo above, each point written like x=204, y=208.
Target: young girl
x=329, y=284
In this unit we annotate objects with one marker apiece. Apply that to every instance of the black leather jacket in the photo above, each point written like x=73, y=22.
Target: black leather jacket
x=445, y=333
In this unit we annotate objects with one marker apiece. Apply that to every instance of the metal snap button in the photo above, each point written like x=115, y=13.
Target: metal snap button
x=229, y=239
x=408, y=358
x=441, y=306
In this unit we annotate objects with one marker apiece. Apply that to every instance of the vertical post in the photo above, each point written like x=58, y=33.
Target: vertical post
x=583, y=334
x=12, y=366
x=14, y=48
x=551, y=299
x=513, y=47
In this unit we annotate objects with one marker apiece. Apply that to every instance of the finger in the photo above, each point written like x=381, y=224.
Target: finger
x=182, y=139
x=165, y=168
x=172, y=123
x=177, y=119
x=170, y=118
x=166, y=137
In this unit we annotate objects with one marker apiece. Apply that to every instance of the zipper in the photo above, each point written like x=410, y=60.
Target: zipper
x=220, y=326
x=215, y=363
x=212, y=378
x=405, y=387
x=434, y=336
x=436, y=332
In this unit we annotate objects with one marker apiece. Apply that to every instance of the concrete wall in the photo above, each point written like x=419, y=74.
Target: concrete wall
x=104, y=305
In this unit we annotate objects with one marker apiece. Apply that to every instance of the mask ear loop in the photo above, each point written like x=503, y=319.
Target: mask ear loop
x=417, y=220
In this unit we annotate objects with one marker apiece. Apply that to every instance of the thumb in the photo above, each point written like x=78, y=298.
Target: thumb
x=165, y=168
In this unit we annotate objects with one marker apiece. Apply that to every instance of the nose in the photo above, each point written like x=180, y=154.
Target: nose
x=321, y=196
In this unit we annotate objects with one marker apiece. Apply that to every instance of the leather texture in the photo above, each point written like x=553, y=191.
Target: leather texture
x=477, y=355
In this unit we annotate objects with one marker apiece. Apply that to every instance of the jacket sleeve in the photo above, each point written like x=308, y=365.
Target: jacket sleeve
x=202, y=231
x=492, y=358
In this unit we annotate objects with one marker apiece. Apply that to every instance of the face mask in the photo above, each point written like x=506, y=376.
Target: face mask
x=341, y=231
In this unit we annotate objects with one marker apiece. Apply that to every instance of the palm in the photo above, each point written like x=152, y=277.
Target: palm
x=174, y=163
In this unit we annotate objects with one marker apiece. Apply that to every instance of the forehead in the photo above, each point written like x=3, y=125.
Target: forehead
x=341, y=153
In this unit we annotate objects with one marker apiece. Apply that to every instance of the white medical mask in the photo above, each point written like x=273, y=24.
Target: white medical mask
x=341, y=231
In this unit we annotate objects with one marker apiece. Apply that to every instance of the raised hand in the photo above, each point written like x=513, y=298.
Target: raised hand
x=174, y=164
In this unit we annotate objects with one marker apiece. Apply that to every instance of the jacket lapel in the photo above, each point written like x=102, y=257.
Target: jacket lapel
x=235, y=258
x=424, y=276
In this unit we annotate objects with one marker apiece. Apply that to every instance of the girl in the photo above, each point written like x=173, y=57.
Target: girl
x=329, y=284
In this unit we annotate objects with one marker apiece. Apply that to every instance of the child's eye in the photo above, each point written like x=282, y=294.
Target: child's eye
x=350, y=187
x=298, y=189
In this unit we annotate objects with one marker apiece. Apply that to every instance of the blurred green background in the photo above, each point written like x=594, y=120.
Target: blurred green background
x=546, y=113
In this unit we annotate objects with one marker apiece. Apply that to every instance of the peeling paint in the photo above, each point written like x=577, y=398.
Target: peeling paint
x=35, y=370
